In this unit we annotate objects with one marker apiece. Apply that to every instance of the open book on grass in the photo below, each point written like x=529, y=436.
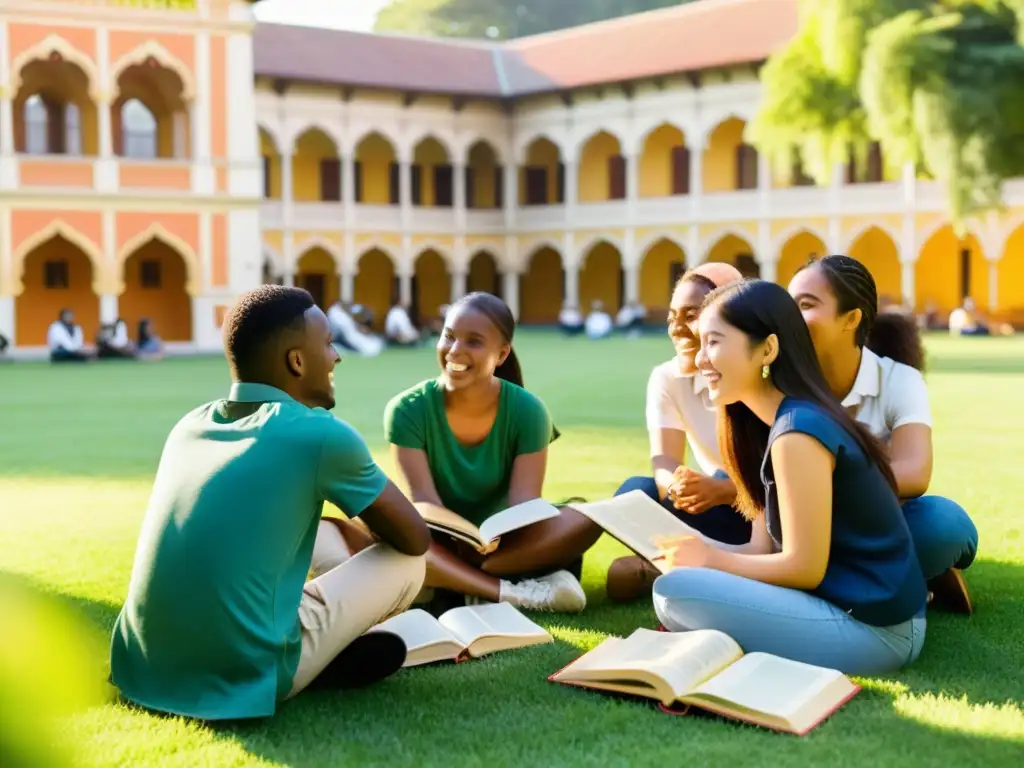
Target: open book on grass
x=462, y=633
x=639, y=522
x=707, y=669
x=486, y=537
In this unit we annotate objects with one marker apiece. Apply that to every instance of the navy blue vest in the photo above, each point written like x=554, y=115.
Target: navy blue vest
x=873, y=572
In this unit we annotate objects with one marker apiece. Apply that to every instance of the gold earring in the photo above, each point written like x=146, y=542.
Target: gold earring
x=764, y=371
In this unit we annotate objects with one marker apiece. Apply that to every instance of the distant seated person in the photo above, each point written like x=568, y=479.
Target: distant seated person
x=363, y=316
x=435, y=325
x=570, y=320
x=630, y=319
x=113, y=341
x=599, y=323
x=398, y=328
x=65, y=340
x=148, y=345
x=346, y=333
x=4, y=344
x=965, y=321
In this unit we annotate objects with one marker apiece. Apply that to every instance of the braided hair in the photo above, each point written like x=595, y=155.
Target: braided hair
x=887, y=334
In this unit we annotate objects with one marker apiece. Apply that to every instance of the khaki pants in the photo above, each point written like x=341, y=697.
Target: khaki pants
x=348, y=595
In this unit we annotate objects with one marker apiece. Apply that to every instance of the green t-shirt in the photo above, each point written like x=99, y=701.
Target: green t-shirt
x=210, y=627
x=471, y=480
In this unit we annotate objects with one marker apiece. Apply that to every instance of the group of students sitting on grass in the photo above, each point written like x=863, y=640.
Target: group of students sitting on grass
x=813, y=537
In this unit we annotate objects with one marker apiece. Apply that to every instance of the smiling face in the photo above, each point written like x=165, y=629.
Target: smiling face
x=830, y=329
x=470, y=348
x=682, y=323
x=727, y=359
x=315, y=360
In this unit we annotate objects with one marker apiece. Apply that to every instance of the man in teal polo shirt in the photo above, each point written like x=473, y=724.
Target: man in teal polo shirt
x=220, y=621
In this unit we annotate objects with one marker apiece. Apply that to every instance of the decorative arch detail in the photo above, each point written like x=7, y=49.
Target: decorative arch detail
x=193, y=270
x=717, y=235
x=790, y=232
x=151, y=48
x=316, y=241
x=44, y=49
x=73, y=236
x=595, y=241
x=650, y=241
x=528, y=140
x=848, y=240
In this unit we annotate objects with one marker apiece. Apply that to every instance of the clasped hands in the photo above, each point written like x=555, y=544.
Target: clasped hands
x=695, y=493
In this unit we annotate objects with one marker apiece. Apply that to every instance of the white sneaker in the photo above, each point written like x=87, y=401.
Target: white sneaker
x=559, y=592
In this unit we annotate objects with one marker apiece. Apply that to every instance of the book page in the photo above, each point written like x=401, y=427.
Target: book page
x=682, y=659
x=446, y=520
x=637, y=521
x=472, y=622
x=418, y=629
x=514, y=518
x=771, y=685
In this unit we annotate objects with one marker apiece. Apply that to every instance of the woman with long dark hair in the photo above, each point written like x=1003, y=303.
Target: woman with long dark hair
x=873, y=364
x=830, y=575
x=474, y=441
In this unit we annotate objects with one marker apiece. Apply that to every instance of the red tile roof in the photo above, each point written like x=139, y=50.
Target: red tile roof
x=685, y=38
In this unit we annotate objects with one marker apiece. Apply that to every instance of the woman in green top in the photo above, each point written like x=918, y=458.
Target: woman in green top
x=475, y=442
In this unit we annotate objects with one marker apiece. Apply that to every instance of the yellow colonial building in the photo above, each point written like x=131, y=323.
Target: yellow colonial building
x=591, y=164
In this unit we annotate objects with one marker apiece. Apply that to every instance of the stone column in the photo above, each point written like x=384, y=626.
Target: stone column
x=510, y=287
x=459, y=196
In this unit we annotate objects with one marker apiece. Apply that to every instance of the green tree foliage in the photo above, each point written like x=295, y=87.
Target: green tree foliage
x=937, y=83
x=502, y=19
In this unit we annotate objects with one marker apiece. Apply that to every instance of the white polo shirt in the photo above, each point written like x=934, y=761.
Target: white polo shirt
x=888, y=395
x=675, y=401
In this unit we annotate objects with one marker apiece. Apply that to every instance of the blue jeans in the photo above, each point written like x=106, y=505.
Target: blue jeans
x=784, y=622
x=722, y=523
x=943, y=534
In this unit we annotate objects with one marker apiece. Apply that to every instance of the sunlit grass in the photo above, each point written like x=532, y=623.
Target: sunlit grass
x=79, y=445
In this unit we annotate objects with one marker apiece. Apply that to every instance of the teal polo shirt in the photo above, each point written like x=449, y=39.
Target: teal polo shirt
x=210, y=626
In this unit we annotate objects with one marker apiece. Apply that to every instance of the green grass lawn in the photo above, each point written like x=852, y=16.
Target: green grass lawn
x=79, y=445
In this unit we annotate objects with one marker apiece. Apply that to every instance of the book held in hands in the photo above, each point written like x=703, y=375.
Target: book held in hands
x=639, y=522
x=487, y=536
x=462, y=633
x=708, y=670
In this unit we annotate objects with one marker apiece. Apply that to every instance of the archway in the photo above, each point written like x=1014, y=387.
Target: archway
x=483, y=274
x=602, y=169
x=877, y=251
x=1010, y=272
x=376, y=171
x=56, y=275
x=374, y=284
x=664, y=163
x=796, y=252
x=53, y=113
x=155, y=276
x=432, y=286
x=432, y=183
x=318, y=274
x=601, y=278
x=541, y=181
x=484, y=177
x=316, y=168
x=729, y=163
x=150, y=115
x=949, y=269
x=735, y=250
x=542, y=287
x=663, y=264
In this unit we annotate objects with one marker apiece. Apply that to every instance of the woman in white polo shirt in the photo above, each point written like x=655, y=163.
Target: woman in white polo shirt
x=873, y=364
x=680, y=415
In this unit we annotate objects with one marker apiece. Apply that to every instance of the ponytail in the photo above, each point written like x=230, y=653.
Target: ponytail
x=895, y=335
x=510, y=370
